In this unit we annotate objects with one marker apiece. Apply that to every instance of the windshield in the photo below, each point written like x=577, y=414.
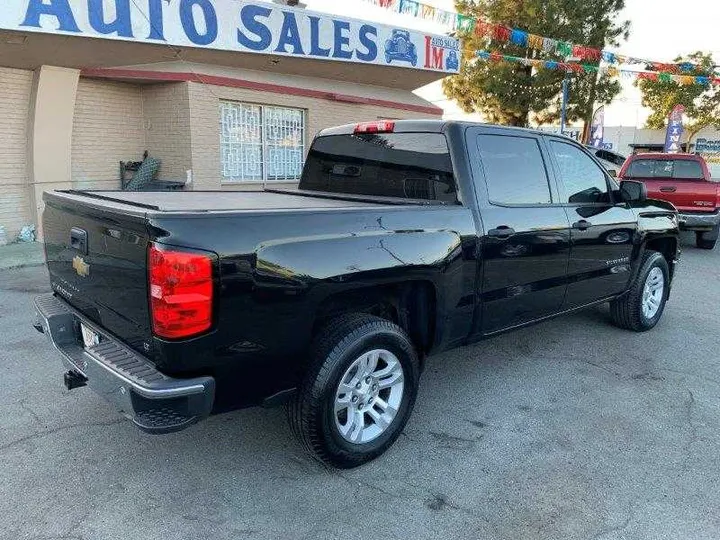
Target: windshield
x=404, y=165
x=665, y=168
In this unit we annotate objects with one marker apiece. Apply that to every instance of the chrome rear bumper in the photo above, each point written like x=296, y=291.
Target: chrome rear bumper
x=698, y=221
x=155, y=402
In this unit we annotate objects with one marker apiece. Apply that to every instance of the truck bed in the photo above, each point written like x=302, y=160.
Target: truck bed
x=228, y=201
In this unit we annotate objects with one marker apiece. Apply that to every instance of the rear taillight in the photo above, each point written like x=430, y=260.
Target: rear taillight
x=181, y=292
x=383, y=126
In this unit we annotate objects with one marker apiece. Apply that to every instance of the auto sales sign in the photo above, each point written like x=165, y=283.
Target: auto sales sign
x=235, y=25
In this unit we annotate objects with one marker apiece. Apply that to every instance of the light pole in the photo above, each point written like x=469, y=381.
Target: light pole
x=563, y=110
x=565, y=92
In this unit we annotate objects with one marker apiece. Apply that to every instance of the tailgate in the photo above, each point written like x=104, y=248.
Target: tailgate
x=97, y=257
x=686, y=195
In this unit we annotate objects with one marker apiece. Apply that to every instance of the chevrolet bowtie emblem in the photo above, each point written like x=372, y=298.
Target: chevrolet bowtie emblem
x=81, y=267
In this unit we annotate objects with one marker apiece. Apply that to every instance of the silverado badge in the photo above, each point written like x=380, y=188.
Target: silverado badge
x=81, y=267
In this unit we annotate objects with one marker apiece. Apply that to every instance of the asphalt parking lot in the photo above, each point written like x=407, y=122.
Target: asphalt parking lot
x=569, y=429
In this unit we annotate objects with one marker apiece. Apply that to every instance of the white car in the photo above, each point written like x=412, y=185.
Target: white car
x=612, y=161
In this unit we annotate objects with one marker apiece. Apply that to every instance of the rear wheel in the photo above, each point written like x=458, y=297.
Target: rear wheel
x=358, y=392
x=642, y=306
x=707, y=240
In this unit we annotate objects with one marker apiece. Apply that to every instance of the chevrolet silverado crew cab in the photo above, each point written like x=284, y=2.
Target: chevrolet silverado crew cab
x=683, y=180
x=403, y=239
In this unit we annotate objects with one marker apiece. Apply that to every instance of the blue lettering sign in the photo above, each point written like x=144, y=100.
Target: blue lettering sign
x=445, y=42
x=60, y=9
x=156, y=20
x=289, y=35
x=258, y=28
x=315, y=48
x=187, y=19
x=367, y=33
x=342, y=40
x=121, y=25
x=248, y=17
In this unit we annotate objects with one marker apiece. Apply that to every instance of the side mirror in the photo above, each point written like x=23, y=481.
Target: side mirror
x=613, y=173
x=631, y=191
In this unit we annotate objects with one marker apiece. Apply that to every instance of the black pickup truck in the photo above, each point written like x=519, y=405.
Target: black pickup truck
x=403, y=239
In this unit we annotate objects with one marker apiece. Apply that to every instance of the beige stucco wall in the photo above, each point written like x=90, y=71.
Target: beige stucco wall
x=52, y=105
x=320, y=114
x=108, y=127
x=15, y=89
x=166, y=110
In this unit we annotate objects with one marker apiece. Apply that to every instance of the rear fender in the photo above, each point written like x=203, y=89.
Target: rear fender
x=345, y=257
x=318, y=268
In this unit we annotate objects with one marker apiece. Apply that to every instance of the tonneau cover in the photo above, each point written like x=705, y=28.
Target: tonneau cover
x=209, y=201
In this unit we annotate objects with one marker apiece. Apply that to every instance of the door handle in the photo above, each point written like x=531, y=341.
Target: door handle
x=582, y=225
x=668, y=189
x=503, y=231
x=78, y=240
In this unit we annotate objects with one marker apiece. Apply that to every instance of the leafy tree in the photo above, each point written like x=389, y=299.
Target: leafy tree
x=702, y=103
x=509, y=93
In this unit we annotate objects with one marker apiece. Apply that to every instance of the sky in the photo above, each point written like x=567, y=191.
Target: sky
x=660, y=30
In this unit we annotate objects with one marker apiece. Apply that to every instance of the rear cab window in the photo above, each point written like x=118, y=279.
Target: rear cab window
x=677, y=169
x=401, y=165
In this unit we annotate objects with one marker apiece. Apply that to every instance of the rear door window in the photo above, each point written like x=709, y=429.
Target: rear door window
x=514, y=169
x=403, y=165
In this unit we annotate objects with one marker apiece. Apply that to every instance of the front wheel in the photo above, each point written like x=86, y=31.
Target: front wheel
x=642, y=306
x=359, y=390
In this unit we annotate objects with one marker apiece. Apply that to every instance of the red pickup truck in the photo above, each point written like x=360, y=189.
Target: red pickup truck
x=683, y=180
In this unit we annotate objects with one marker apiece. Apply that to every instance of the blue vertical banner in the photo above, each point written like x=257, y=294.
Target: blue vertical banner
x=597, y=128
x=674, y=130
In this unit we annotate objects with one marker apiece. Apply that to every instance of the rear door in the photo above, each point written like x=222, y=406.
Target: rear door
x=97, y=260
x=525, y=247
x=602, y=232
x=680, y=181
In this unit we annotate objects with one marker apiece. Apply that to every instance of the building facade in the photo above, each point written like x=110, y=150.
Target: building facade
x=226, y=94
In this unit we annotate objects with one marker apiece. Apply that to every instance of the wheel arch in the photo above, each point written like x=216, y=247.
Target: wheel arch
x=411, y=304
x=665, y=245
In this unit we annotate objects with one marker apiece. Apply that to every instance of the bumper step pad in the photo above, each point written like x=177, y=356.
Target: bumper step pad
x=155, y=402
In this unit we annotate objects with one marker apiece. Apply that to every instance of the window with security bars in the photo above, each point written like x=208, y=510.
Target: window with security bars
x=260, y=143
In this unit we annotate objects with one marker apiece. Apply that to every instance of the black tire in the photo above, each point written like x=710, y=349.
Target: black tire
x=311, y=413
x=707, y=240
x=626, y=312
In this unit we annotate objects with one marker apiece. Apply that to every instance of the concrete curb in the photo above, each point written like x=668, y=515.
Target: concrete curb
x=20, y=255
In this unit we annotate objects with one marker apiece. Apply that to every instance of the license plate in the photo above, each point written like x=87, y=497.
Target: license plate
x=90, y=338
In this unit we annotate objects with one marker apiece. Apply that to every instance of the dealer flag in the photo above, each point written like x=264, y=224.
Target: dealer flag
x=674, y=130
x=597, y=128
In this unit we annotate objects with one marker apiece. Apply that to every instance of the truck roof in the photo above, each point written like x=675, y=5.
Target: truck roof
x=661, y=155
x=426, y=126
